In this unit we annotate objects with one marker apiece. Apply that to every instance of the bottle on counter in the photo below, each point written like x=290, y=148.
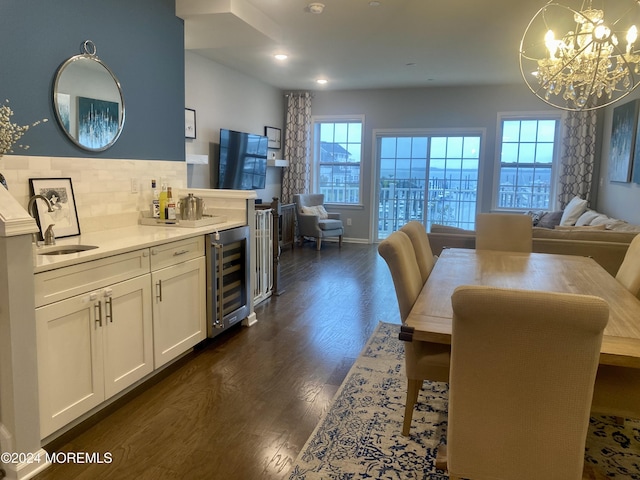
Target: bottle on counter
x=162, y=202
x=155, y=203
x=171, y=205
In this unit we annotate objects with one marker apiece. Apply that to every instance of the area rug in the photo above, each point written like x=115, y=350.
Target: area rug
x=360, y=436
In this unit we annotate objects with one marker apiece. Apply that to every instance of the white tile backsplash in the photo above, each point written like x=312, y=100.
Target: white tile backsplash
x=102, y=187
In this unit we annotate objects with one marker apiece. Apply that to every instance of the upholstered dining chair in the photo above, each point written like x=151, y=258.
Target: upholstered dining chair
x=421, y=247
x=509, y=232
x=629, y=271
x=423, y=360
x=523, y=365
x=314, y=221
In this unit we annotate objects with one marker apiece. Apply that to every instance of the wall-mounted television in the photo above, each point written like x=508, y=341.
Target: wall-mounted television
x=242, y=161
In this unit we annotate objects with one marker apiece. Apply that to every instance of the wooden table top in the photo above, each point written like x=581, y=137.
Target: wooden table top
x=432, y=314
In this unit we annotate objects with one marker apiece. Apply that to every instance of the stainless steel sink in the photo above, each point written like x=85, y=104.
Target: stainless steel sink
x=66, y=249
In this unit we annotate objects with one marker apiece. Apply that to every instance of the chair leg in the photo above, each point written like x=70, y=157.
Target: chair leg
x=340, y=242
x=441, y=457
x=318, y=242
x=413, y=389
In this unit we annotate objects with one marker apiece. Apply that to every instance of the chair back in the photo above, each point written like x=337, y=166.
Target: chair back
x=397, y=251
x=307, y=200
x=523, y=366
x=421, y=246
x=629, y=271
x=508, y=232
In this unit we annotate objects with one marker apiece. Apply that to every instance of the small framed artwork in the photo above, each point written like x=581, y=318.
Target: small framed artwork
x=623, y=138
x=64, y=217
x=189, y=123
x=273, y=135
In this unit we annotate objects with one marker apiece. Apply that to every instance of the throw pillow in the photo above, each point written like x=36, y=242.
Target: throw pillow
x=549, y=219
x=317, y=210
x=586, y=218
x=573, y=210
x=535, y=216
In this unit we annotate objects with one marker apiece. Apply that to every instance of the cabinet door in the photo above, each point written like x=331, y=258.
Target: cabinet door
x=179, y=309
x=70, y=360
x=127, y=333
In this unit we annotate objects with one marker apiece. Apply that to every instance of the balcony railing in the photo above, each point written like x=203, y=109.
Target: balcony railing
x=449, y=201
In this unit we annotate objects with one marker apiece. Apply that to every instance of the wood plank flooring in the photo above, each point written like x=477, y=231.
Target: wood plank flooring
x=242, y=406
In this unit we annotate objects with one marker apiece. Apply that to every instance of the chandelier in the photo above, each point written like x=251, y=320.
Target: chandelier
x=582, y=59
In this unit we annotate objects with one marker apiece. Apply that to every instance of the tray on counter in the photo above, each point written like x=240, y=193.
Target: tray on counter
x=203, y=222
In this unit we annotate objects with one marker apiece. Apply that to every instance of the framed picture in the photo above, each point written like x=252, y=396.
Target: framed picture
x=273, y=135
x=623, y=137
x=635, y=163
x=189, y=123
x=59, y=191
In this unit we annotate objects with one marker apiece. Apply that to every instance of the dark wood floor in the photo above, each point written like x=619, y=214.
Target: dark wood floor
x=242, y=406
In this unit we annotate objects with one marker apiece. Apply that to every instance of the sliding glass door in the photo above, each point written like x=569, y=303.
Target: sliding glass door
x=430, y=178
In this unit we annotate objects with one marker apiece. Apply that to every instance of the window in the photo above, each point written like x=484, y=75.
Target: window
x=429, y=176
x=528, y=152
x=338, y=153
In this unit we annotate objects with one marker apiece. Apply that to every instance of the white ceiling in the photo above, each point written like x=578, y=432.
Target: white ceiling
x=400, y=43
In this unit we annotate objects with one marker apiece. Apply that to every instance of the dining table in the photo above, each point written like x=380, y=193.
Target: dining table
x=617, y=384
x=431, y=316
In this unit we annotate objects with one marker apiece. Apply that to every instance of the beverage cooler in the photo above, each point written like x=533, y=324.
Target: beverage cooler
x=228, y=286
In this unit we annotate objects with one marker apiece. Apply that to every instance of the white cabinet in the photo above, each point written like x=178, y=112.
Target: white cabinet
x=103, y=325
x=90, y=347
x=179, y=303
x=94, y=334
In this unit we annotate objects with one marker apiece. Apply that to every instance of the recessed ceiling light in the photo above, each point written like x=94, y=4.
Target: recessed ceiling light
x=322, y=81
x=280, y=56
x=374, y=3
x=316, y=8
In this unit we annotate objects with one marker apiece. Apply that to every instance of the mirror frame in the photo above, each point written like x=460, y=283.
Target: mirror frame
x=89, y=49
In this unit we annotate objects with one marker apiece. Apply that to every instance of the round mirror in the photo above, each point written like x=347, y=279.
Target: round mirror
x=88, y=101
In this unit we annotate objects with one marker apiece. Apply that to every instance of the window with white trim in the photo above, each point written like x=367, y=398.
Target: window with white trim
x=337, y=153
x=528, y=154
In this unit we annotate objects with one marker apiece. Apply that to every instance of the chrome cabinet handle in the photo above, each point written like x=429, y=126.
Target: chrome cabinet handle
x=108, y=306
x=180, y=252
x=97, y=310
x=159, y=291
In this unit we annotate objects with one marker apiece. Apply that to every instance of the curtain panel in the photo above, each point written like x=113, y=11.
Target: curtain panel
x=577, y=157
x=297, y=146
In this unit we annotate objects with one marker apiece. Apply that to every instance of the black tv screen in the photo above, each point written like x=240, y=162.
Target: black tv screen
x=242, y=160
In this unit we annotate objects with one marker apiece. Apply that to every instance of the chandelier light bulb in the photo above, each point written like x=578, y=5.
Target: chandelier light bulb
x=551, y=44
x=632, y=36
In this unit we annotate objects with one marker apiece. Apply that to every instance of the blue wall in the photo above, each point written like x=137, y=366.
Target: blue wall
x=142, y=42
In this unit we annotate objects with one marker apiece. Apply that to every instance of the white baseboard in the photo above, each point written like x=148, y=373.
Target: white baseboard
x=28, y=469
x=250, y=320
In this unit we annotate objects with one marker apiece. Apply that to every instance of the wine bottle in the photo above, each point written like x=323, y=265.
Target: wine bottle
x=162, y=202
x=155, y=202
x=171, y=205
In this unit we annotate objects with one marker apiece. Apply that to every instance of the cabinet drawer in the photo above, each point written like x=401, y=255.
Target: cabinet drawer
x=56, y=285
x=176, y=252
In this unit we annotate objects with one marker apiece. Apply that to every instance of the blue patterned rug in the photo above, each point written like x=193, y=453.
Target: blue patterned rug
x=360, y=436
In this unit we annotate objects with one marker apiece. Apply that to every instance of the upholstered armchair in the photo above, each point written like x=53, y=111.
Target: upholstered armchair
x=314, y=221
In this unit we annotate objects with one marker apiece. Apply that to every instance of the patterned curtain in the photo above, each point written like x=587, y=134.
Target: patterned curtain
x=297, y=146
x=578, y=156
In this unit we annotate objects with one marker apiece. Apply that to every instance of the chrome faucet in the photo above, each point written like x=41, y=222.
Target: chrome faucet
x=49, y=237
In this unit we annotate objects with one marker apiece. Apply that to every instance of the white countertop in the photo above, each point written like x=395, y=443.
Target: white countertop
x=121, y=240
